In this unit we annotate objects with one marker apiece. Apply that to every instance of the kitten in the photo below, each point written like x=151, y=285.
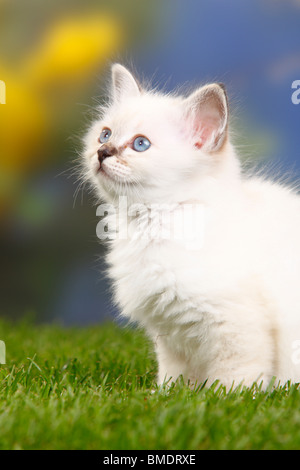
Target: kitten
x=226, y=308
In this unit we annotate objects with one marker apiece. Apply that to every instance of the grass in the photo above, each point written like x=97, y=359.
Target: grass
x=92, y=388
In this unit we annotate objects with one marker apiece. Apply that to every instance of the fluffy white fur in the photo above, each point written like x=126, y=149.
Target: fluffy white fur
x=230, y=309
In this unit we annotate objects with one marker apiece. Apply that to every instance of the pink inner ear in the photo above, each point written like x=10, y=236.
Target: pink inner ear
x=202, y=133
x=198, y=144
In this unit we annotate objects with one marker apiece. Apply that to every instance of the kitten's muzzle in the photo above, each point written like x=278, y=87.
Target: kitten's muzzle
x=106, y=151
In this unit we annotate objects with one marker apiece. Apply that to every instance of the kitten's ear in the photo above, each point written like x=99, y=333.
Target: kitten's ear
x=123, y=83
x=206, y=113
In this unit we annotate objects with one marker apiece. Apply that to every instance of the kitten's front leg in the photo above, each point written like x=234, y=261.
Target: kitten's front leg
x=170, y=365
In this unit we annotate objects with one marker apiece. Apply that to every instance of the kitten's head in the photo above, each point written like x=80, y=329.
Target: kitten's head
x=149, y=146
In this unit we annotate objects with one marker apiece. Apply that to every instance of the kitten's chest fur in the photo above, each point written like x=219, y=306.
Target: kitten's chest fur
x=175, y=288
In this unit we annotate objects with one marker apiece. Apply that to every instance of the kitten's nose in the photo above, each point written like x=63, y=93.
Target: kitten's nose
x=105, y=151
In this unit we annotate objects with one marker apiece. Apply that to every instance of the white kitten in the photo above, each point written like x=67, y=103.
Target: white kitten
x=227, y=308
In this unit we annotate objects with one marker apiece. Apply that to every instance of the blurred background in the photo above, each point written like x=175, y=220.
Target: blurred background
x=55, y=57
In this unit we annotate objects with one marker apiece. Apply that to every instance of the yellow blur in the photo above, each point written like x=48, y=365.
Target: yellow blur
x=65, y=56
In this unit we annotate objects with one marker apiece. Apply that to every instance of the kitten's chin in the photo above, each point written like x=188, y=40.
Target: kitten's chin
x=115, y=173
x=102, y=174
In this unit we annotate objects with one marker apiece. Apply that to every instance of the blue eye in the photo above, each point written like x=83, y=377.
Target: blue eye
x=140, y=144
x=105, y=135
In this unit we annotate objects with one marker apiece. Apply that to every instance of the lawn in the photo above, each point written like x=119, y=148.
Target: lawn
x=94, y=388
